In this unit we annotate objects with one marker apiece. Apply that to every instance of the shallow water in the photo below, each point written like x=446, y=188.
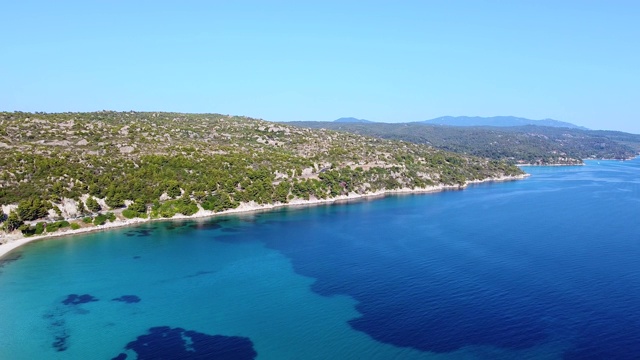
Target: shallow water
x=542, y=268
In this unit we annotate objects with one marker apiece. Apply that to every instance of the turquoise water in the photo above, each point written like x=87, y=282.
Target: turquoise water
x=537, y=269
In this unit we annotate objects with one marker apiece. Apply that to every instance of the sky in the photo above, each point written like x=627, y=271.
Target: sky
x=391, y=61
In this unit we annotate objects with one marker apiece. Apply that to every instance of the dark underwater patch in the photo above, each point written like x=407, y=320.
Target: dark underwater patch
x=200, y=273
x=174, y=226
x=57, y=323
x=407, y=303
x=139, y=233
x=205, y=226
x=164, y=342
x=9, y=258
x=129, y=299
x=57, y=327
x=75, y=299
x=137, y=257
x=60, y=342
x=608, y=336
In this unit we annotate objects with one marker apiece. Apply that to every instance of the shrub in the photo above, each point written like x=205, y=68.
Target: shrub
x=75, y=226
x=27, y=230
x=101, y=219
x=39, y=228
x=129, y=214
x=219, y=202
x=53, y=227
x=183, y=205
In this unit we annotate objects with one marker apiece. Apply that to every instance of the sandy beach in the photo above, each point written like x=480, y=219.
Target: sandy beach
x=18, y=241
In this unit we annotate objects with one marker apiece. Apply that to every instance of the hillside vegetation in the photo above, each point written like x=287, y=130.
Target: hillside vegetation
x=539, y=145
x=67, y=165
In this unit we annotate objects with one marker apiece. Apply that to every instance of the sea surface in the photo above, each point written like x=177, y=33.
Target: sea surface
x=544, y=268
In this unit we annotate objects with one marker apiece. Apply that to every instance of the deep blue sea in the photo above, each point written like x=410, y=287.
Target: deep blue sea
x=544, y=268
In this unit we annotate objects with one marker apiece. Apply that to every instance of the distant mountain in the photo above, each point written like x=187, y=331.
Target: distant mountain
x=497, y=121
x=352, y=120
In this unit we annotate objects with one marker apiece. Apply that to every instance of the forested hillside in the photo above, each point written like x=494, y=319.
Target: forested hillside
x=83, y=164
x=522, y=144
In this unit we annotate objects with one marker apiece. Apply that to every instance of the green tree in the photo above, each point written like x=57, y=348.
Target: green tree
x=219, y=201
x=32, y=209
x=173, y=189
x=93, y=205
x=138, y=206
x=114, y=201
x=57, y=190
x=13, y=221
x=281, y=192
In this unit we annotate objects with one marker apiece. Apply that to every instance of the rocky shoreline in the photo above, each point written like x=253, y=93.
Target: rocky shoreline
x=18, y=241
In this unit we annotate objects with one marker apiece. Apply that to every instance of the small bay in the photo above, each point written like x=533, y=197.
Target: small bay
x=542, y=268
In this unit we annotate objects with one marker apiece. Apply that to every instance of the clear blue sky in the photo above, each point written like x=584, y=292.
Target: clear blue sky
x=576, y=61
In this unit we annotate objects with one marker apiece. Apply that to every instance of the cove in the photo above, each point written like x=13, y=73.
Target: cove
x=540, y=268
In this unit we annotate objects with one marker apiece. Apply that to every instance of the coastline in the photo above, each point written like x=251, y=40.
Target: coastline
x=11, y=245
x=541, y=165
x=583, y=162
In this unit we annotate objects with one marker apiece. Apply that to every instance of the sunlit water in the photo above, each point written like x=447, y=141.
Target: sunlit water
x=545, y=268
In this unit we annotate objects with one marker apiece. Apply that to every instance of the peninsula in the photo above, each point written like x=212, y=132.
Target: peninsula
x=67, y=173
x=515, y=140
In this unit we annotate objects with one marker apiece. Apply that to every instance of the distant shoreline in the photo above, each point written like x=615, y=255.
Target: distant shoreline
x=583, y=160
x=8, y=247
x=541, y=165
